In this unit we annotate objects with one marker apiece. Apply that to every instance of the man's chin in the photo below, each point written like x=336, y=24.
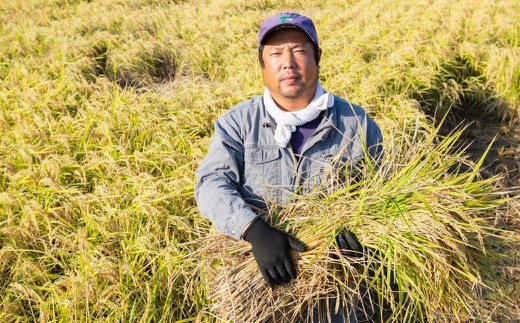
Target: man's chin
x=292, y=93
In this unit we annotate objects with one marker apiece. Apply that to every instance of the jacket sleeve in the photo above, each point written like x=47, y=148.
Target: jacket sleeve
x=374, y=140
x=218, y=181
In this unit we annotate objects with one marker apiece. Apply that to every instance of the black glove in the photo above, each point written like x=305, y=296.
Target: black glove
x=272, y=252
x=349, y=244
x=367, y=308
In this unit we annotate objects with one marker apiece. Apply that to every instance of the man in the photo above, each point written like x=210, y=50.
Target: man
x=284, y=141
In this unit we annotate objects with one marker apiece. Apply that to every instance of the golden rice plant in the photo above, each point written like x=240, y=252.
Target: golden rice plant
x=107, y=106
x=424, y=224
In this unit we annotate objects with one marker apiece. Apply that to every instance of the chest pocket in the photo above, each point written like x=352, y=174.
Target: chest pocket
x=258, y=156
x=262, y=172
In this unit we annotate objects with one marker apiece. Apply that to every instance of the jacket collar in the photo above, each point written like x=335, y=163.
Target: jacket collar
x=328, y=120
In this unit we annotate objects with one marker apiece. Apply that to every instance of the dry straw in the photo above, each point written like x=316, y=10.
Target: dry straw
x=421, y=219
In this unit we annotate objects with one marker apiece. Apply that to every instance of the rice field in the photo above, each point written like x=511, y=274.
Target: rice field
x=107, y=108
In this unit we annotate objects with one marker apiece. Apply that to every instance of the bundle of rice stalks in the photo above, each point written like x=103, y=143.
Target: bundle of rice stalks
x=424, y=225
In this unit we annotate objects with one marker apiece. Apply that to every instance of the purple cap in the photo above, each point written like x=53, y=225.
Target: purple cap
x=287, y=20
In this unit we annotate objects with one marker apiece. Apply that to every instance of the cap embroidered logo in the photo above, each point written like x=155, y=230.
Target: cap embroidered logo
x=285, y=18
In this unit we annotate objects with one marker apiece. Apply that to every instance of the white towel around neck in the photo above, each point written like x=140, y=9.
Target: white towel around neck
x=286, y=121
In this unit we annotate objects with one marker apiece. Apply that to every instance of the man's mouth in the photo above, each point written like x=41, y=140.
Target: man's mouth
x=290, y=78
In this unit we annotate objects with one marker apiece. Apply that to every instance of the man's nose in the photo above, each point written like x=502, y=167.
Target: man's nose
x=288, y=60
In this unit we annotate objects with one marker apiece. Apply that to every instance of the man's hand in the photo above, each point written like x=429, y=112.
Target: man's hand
x=272, y=252
x=349, y=244
x=367, y=307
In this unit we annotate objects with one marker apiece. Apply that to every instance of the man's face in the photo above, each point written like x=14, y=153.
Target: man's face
x=290, y=71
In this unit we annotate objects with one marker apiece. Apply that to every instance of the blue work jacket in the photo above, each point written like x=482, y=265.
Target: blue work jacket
x=245, y=169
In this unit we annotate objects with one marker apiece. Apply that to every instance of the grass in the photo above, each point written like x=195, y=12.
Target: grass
x=106, y=109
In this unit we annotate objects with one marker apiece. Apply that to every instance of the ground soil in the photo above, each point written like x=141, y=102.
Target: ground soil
x=504, y=155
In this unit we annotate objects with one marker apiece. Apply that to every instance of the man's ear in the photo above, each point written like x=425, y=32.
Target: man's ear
x=260, y=59
x=317, y=53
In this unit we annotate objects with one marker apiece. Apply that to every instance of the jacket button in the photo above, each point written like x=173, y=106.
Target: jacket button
x=233, y=231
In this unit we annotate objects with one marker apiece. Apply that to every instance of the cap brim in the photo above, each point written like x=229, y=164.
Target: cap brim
x=276, y=28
